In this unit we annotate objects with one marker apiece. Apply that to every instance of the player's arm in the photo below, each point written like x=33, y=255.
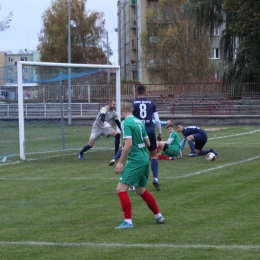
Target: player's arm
x=103, y=117
x=147, y=142
x=158, y=125
x=182, y=144
x=126, y=150
x=118, y=124
x=124, y=155
x=170, y=140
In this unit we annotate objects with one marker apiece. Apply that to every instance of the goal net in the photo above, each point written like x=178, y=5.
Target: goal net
x=50, y=104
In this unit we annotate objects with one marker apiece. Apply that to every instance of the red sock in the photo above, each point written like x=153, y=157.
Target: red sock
x=150, y=201
x=157, y=149
x=125, y=204
x=163, y=157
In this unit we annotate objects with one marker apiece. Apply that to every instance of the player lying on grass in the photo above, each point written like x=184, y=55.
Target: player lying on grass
x=196, y=138
x=102, y=126
x=136, y=171
x=171, y=148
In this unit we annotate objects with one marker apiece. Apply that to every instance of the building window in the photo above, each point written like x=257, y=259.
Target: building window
x=10, y=69
x=10, y=59
x=23, y=58
x=24, y=70
x=214, y=53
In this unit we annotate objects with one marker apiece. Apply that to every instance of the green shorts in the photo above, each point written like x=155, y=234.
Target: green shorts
x=172, y=150
x=135, y=173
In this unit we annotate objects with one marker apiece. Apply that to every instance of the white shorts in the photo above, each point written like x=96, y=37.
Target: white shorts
x=96, y=132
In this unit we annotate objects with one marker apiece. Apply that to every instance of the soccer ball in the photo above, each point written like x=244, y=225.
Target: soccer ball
x=210, y=157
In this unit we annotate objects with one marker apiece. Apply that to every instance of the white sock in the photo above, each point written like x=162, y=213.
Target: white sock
x=158, y=215
x=129, y=221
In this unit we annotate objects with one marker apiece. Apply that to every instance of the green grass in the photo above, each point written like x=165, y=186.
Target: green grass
x=54, y=206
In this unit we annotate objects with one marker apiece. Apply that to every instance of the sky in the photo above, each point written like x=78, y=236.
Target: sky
x=26, y=23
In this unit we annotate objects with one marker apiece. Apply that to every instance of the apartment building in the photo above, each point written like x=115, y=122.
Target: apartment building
x=8, y=69
x=131, y=23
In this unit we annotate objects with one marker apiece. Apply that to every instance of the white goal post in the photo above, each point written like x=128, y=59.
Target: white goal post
x=53, y=64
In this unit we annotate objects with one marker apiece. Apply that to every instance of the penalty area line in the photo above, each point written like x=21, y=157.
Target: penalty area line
x=234, y=135
x=212, y=169
x=173, y=246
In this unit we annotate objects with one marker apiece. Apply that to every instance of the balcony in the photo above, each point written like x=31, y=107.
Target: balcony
x=134, y=44
x=134, y=65
x=133, y=24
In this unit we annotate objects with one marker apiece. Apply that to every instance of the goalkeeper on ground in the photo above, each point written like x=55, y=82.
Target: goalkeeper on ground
x=102, y=126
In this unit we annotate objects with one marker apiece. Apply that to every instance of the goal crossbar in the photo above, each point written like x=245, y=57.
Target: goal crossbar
x=54, y=64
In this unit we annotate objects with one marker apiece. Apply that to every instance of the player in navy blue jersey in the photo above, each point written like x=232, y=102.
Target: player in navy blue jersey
x=196, y=138
x=146, y=111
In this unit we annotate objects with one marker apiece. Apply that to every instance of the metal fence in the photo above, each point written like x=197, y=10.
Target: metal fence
x=100, y=93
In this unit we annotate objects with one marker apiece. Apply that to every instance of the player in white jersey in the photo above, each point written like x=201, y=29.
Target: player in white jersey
x=102, y=126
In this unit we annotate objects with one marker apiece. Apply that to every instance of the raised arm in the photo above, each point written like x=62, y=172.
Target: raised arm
x=158, y=125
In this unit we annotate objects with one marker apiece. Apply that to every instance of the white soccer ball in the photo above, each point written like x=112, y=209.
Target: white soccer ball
x=210, y=157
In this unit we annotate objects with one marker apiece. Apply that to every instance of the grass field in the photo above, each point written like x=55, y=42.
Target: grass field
x=54, y=206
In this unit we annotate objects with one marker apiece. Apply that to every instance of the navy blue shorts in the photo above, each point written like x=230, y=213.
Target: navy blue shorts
x=153, y=141
x=200, y=140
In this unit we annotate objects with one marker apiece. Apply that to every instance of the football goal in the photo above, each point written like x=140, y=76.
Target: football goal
x=58, y=93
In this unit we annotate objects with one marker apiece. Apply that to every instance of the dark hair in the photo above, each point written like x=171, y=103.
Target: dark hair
x=140, y=90
x=111, y=100
x=178, y=123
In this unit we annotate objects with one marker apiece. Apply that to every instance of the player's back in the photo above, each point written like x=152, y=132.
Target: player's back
x=189, y=130
x=144, y=110
x=131, y=127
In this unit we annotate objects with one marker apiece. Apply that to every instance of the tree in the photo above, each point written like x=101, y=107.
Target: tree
x=240, y=41
x=174, y=50
x=4, y=25
x=86, y=37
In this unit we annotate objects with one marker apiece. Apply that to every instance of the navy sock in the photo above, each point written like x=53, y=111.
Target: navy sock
x=154, y=167
x=118, y=154
x=85, y=148
x=192, y=146
x=203, y=152
x=117, y=142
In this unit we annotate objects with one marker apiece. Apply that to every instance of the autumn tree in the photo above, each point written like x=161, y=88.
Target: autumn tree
x=86, y=37
x=174, y=49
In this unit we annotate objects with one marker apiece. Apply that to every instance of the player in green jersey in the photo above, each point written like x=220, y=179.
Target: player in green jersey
x=136, y=170
x=171, y=148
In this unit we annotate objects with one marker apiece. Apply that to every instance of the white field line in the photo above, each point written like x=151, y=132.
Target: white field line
x=112, y=178
x=227, y=136
x=53, y=156
x=108, y=148
x=214, y=168
x=86, y=244
x=171, y=246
